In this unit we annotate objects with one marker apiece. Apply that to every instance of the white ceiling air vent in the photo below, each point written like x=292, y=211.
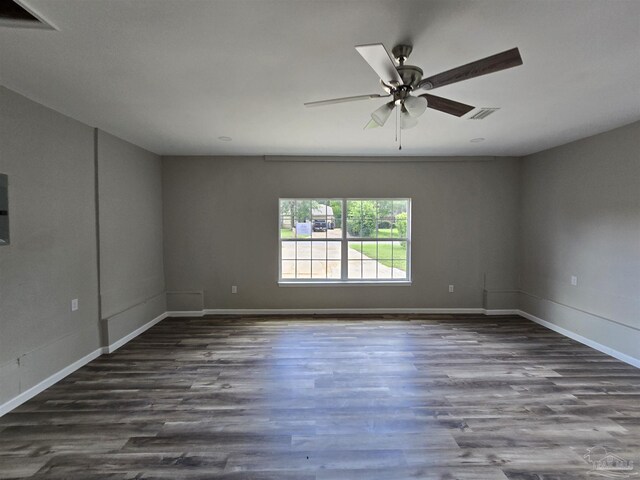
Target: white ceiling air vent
x=482, y=113
x=15, y=13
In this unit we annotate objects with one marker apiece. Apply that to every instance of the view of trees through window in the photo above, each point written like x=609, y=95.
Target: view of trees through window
x=344, y=239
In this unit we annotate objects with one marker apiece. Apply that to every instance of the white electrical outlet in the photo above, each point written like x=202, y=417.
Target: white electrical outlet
x=74, y=304
x=574, y=280
x=234, y=289
x=450, y=288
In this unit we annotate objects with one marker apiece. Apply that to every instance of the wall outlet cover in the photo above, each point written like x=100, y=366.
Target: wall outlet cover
x=74, y=304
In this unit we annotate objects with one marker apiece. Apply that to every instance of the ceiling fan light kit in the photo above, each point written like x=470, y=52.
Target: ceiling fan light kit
x=382, y=114
x=399, y=80
x=407, y=121
x=415, y=106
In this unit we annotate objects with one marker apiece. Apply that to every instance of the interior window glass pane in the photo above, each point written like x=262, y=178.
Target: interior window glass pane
x=369, y=269
x=400, y=218
x=286, y=218
x=319, y=250
x=355, y=251
x=303, y=250
x=384, y=218
x=385, y=251
x=335, y=219
x=399, y=250
x=288, y=250
x=319, y=210
x=288, y=269
x=303, y=269
x=302, y=219
x=384, y=228
x=400, y=269
x=385, y=269
x=361, y=218
x=334, y=250
x=354, y=269
x=318, y=269
x=354, y=210
x=334, y=269
x=369, y=250
x=368, y=218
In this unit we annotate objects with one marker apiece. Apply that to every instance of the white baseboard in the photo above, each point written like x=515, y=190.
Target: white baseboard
x=584, y=340
x=502, y=311
x=185, y=313
x=47, y=382
x=118, y=343
x=336, y=311
x=56, y=377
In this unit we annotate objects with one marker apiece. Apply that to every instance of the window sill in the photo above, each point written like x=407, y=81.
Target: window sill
x=346, y=283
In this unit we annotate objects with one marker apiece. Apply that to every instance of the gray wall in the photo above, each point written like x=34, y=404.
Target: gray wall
x=580, y=216
x=221, y=230
x=52, y=255
x=130, y=211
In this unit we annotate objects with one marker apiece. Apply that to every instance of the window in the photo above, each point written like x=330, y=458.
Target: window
x=345, y=240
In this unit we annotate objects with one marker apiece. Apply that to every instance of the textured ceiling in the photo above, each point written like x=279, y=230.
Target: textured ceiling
x=173, y=76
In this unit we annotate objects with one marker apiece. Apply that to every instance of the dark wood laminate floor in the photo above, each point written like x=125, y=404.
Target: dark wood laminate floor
x=358, y=398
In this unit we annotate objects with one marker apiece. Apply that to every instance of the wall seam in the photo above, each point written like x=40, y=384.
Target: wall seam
x=96, y=189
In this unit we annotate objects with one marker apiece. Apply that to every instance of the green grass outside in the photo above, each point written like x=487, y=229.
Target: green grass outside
x=387, y=233
x=289, y=233
x=384, y=253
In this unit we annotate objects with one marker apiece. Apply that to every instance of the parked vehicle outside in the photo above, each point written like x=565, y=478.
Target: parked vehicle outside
x=319, y=226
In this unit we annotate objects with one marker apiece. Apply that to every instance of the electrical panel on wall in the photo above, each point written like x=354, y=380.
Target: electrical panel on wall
x=4, y=210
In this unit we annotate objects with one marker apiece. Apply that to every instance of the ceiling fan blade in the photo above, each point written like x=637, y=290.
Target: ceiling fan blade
x=344, y=100
x=495, y=63
x=381, y=114
x=415, y=105
x=447, y=106
x=371, y=124
x=378, y=58
x=407, y=121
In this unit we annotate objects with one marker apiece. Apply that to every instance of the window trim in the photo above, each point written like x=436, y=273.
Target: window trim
x=344, y=245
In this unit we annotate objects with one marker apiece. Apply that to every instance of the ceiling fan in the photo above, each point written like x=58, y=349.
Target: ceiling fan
x=400, y=81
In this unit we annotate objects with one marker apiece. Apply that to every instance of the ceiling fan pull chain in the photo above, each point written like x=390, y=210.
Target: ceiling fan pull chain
x=396, y=125
x=400, y=139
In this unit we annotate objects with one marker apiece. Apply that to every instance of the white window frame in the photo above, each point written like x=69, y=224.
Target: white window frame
x=344, y=245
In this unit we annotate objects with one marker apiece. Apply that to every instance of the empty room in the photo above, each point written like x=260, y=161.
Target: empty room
x=319, y=239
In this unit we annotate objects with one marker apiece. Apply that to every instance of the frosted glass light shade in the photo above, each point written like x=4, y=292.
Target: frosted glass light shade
x=381, y=115
x=372, y=124
x=407, y=121
x=415, y=105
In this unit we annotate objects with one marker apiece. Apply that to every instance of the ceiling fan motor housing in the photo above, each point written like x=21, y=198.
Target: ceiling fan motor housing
x=410, y=74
